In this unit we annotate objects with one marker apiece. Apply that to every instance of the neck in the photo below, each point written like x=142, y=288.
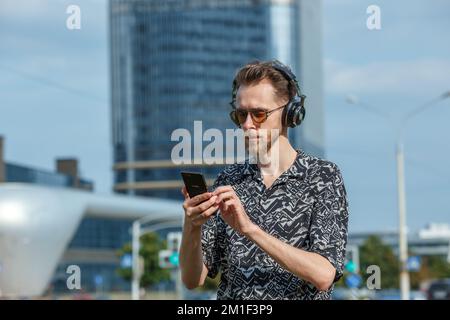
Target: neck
x=280, y=157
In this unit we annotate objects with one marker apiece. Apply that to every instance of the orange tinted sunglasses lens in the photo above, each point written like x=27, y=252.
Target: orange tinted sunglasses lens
x=257, y=116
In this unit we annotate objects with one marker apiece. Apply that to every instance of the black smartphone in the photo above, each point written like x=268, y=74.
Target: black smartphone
x=195, y=183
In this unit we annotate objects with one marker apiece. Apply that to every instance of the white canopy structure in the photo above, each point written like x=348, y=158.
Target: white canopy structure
x=37, y=223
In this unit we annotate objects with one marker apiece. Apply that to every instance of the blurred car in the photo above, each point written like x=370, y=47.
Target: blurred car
x=352, y=294
x=83, y=296
x=417, y=295
x=439, y=290
x=341, y=294
x=388, y=294
x=395, y=294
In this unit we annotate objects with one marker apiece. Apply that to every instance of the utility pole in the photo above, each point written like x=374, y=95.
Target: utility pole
x=401, y=190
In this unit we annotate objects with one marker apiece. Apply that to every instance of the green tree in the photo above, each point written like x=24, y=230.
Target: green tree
x=150, y=246
x=432, y=267
x=374, y=252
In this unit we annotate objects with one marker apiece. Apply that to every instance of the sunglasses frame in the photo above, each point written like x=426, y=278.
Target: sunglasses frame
x=234, y=116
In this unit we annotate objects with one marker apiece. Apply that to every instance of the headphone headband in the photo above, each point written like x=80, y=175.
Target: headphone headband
x=288, y=74
x=284, y=70
x=294, y=112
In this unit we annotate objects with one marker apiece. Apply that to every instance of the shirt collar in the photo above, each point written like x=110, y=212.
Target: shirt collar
x=296, y=170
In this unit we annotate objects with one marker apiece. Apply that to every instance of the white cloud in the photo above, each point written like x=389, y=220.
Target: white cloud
x=400, y=77
x=31, y=15
x=19, y=8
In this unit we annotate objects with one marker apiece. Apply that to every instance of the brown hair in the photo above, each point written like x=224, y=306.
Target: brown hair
x=252, y=73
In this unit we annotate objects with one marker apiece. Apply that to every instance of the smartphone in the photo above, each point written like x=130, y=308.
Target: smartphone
x=195, y=183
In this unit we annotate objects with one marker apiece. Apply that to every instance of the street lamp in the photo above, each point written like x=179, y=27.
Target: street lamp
x=401, y=192
x=137, y=232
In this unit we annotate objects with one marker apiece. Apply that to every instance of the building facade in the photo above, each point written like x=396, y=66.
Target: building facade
x=44, y=230
x=172, y=63
x=66, y=174
x=94, y=245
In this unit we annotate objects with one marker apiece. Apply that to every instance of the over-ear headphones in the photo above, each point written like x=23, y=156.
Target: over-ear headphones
x=294, y=112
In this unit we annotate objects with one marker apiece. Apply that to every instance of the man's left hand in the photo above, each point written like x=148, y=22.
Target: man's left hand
x=232, y=211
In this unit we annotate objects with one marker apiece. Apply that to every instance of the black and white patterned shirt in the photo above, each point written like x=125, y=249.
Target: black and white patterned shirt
x=306, y=207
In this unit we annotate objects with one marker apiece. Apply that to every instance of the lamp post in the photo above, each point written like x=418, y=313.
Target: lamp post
x=138, y=231
x=135, y=270
x=401, y=192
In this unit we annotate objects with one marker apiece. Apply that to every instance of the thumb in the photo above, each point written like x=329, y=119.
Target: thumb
x=184, y=192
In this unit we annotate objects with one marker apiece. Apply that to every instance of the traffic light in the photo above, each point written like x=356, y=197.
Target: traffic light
x=174, y=241
x=352, y=279
x=350, y=266
x=352, y=259
x=168, y=259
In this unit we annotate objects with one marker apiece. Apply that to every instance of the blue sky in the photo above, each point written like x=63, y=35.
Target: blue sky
x=395, y=69
x=65, y=112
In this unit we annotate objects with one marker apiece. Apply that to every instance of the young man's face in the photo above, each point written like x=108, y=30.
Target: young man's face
x=260, y=96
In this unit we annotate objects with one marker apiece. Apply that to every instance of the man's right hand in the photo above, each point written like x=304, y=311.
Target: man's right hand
x=198, y=209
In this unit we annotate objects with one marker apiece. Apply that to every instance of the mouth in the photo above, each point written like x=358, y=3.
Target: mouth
x=252, y=139
x=252, y=136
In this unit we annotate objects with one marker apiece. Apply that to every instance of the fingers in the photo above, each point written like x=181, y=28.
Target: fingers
x=226, y=205
x=200, y=208
x=204, y=205
x=225, y=196
x=223, y=208
x=205, y=215
x=224, y=192
x=194, y=211
x=192, y=202
x=222, y=189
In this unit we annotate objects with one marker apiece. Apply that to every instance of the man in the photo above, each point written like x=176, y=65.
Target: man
x=276, y=229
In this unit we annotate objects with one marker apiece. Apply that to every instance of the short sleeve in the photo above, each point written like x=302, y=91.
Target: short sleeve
x=329, y=220
x=211, y=241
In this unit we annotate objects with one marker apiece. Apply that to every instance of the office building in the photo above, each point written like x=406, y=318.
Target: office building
x=172, y=63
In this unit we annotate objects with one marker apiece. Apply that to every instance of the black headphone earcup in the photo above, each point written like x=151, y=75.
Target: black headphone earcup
x=294, y=114
x=289, y=119
x=301, y=115
x=297, y=115
x=289, y=115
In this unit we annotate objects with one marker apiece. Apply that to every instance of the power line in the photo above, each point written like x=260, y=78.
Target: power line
x=444, y=176
x=53, y=84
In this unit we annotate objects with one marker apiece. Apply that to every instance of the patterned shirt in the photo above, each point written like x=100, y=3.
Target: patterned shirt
x=306, y=207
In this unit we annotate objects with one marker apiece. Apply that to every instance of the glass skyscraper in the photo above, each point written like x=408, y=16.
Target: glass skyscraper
x=173, y=61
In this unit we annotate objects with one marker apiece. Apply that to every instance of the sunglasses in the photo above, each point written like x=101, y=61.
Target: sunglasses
x=258, y=116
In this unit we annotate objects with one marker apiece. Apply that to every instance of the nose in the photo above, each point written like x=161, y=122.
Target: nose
x=248, y=124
